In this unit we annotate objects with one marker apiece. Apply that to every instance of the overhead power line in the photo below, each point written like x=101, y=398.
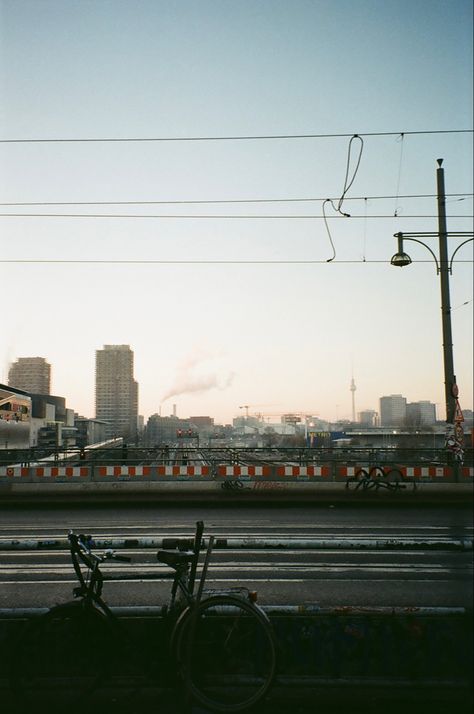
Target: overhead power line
x=217, y=216
x=186, y=202
x=258, y=137
x=198, y=262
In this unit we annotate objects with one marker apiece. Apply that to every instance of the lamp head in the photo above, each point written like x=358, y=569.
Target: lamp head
x=400, y=260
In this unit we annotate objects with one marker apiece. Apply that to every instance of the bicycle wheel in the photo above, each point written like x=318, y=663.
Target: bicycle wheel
x=226, y=653
x=60, y=658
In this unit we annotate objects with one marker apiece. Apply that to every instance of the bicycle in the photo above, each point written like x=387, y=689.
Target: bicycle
x=221, y=642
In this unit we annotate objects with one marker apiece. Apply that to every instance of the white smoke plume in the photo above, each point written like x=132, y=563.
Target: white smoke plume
x=199, y=372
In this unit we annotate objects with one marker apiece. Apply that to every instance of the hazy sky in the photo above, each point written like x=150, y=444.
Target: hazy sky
x=211, y=337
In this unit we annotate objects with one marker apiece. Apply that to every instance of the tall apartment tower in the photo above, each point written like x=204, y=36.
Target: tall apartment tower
x=116, y=391
x=393, y=410
x=32, y=374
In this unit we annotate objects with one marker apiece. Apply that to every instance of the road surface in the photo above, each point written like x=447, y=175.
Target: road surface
x=434, y=573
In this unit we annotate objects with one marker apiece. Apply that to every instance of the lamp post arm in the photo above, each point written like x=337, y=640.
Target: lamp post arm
x=415, y=240
x=459, y=246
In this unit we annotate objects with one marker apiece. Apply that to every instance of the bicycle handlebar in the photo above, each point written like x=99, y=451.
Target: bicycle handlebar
x=81, y=545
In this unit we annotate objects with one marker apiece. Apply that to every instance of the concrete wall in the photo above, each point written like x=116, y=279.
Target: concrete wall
x=413, y=644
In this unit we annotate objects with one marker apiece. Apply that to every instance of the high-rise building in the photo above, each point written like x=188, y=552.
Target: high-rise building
x=116, y=391
x=32, y=374
x=421, y=413
x=368, y=418
x=393, y=410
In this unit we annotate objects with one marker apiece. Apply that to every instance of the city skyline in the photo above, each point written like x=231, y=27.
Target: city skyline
x=146, y=199
x=116, y=362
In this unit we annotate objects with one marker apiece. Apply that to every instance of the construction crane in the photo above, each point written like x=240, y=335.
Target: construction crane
x=247, y=407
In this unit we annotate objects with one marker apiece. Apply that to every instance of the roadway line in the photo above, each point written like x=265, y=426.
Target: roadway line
x=239, y=566
x=139, y=573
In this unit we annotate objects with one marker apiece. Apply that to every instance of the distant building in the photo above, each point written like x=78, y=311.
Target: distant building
x=89, y=431
x=393, y=410
x=164, y=430
x=15, y=418
x=202, y=423
x=116, y=391
x=368, y=418
x=421, y=414
x=41, y=404
x=31, y=374
x=52, y=424
x=468, y=416
x=37, y=420
x=244, y=422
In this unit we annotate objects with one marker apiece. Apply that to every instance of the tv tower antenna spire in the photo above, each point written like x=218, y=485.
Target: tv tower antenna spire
x=353, y=388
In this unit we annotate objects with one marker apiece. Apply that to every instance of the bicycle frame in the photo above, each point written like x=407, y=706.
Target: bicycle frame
x=183, y=574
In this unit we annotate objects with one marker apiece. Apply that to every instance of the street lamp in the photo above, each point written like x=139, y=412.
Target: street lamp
x=444, y=270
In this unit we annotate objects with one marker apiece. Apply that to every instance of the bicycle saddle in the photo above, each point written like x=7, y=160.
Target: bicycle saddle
x=174, y=558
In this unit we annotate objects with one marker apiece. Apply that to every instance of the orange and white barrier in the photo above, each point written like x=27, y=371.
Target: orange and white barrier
x=170, y=471
x=426, y=471
x=104, y=471
x=153, y=471
x=350, y=471
x=45, y=471
x=263, y=473
x=303, y=472
x=14, y=471
x=237, y=471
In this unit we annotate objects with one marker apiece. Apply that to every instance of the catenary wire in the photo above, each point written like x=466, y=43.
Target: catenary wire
x=347, y=184
x=198, y=262
x=216, y=216
x=224, y=200
x=259, y=137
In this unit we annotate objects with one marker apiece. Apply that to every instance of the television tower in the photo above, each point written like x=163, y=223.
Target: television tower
x=353, y=388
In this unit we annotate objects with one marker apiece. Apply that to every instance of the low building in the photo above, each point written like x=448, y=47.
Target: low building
x=90, y=431
x=164, y=430
x=15, y=418
x=202, y=423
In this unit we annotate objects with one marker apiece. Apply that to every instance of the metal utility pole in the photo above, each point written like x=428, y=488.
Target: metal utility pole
x=454, y=418
x=450, y=388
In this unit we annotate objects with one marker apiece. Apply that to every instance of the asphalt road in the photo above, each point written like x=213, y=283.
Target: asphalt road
x=429, y=575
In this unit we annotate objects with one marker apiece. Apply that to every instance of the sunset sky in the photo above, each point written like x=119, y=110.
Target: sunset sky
x=224, y=300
